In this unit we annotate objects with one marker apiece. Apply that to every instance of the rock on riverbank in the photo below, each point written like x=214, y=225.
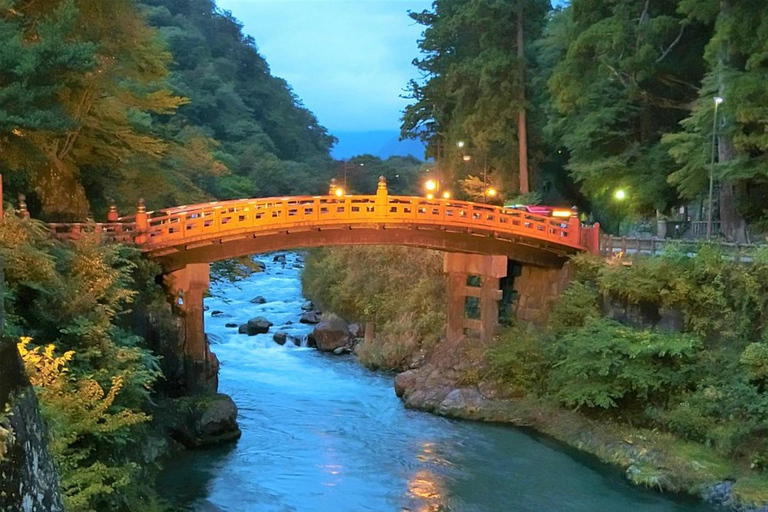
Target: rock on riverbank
x=440, y=386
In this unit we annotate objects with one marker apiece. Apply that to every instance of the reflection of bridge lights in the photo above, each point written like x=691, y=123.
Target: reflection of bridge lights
x=423, y=485
x=339, y=192
x=430, y=185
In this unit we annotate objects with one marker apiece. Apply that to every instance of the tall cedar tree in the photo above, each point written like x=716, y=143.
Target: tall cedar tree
x=737, y=70
x=474, y=85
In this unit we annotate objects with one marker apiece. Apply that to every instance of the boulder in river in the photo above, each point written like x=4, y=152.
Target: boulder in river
x=213, y=421
x=308, y=306
x=310, y=317
x=258, y=325
x=230, y=325
x=280, y=338
x=279, y=258
x=218, y=313
x=331, y=334
x=258, y=300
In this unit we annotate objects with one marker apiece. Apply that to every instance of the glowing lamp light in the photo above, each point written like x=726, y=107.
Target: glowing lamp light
x=430, y=196
x=718, y=100
x=467, y=158
x=461, y=144
x=446, y=195
x=339, y=192
x=561, y=213
x=620, y=195
x=491, y=192
x=431, y=185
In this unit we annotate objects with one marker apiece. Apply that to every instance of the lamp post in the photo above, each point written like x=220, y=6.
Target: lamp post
x=620, y=196
x=718, y=101
x=346, y=166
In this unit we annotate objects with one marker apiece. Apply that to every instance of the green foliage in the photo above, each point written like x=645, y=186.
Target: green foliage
x=755, y=361
x=577, y=305
x=473, y=84
x=605, y=365
x=401, y=290
x=95, y=395
x=521, y=360
x=268, y=141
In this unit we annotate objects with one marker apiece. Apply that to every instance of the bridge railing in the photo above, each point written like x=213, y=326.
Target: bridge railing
x=121, y=232
x=199, y=222
x=628, y=247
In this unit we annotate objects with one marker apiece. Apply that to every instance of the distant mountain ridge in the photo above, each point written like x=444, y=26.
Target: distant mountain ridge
x=381, y=143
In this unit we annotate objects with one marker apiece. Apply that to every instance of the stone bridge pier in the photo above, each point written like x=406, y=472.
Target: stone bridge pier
x=474, y=292
x=186, y=288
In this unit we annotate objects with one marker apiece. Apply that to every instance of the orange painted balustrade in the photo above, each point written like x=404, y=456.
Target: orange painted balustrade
x=199, y=222
x=152, y=231
x=168, y=230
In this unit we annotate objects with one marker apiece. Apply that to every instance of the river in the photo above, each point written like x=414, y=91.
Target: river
x=323, y=434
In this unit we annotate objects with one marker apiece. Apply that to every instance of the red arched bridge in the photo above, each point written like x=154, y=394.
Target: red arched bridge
x=479, y=240
x=207, y=232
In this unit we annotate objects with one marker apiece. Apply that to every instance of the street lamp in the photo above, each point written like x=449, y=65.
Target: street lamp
x=446, y=195
x=491, y=192
x=430, y=185
x=345, y=166
x=620, y=196
x=718, y=101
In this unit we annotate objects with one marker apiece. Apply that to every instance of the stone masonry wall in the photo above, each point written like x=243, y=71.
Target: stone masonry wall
x=536, y=288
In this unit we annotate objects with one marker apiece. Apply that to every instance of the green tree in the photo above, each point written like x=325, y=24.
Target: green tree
x=624, y=73
x=475, y=86
x=737, y=69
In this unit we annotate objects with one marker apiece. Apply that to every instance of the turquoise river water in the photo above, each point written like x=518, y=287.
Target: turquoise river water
x=323, y=434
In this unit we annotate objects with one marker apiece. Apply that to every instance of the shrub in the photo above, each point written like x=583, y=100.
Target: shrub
x=577, y=305
x=604, y=365
x=520, y=360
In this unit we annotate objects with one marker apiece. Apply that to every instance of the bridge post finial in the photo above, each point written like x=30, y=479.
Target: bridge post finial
x=112, y=215
x=23, y=211
x=334, y=186
x=142, y=222
x=382, y=200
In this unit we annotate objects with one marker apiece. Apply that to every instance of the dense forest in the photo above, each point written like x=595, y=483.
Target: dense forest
x=619, y=94
x=165, y=100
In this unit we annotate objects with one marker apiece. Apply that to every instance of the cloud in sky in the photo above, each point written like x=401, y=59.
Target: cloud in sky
x=348, y=61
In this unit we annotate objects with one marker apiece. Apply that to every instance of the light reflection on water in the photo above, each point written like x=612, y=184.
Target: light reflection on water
x=322, y=434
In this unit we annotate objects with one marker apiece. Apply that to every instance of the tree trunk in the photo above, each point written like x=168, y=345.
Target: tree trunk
x=62, y=196
x=522, y=132
x=732, y=225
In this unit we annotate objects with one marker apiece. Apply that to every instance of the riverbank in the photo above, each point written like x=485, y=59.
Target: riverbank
x=645, y=457
x=322, y=433
x=669, y=406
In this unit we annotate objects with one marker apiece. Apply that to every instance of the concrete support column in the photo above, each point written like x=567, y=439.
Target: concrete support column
x=187, y=288
x=473, y=278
